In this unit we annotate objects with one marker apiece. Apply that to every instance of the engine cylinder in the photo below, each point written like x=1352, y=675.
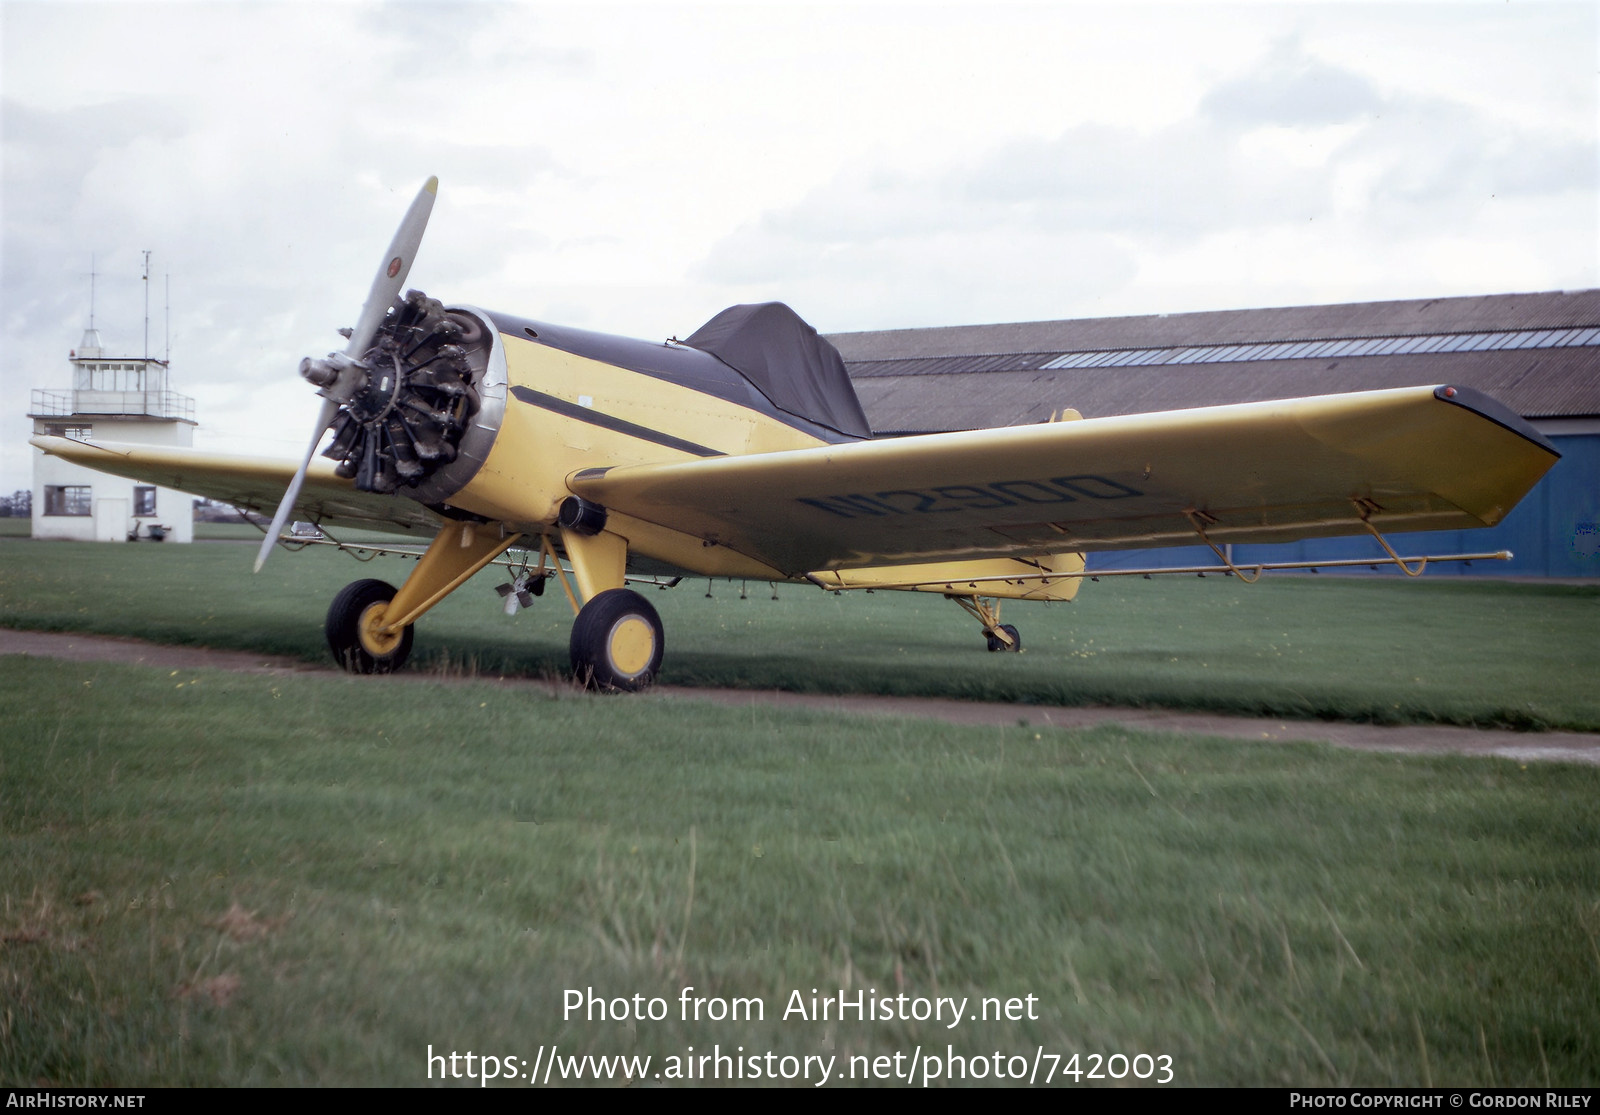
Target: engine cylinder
x=421, y=391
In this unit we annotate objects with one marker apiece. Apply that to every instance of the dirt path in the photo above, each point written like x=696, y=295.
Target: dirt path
x=1571, y=747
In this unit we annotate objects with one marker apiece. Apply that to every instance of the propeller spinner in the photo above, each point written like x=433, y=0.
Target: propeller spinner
x=343, y=377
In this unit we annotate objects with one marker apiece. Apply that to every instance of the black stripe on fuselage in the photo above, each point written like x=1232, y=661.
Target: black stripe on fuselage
x=674, y=363
x=611, y=422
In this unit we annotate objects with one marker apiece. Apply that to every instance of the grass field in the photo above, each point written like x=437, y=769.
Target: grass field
x=1379, y=649
x=246, y=532
x=216, y=878
x=237, y=879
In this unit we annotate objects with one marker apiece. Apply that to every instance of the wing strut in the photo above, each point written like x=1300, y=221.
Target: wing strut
x=1365, y=507
x=1195, y=518
x=986, y=610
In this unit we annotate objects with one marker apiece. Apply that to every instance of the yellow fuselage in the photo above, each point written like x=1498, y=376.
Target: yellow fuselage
x=567, y=413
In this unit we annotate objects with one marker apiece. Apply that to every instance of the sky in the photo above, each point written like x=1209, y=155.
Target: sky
x=636, y=168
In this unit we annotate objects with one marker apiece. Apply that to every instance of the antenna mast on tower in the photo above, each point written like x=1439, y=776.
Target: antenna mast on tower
x=147, y=305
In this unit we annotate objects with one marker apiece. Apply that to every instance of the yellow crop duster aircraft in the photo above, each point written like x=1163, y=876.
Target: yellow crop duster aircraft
x=743, y=452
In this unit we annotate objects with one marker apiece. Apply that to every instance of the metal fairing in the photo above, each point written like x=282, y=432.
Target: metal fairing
x=480, y=435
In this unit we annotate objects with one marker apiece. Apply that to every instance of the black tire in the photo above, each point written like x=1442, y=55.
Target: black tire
x=617, y=642
x=996, y=643
x=354, y=650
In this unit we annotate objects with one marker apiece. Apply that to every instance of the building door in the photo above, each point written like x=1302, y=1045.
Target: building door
x=111, y=521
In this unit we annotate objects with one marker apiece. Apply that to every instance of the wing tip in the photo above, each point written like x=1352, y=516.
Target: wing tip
x=1487, y=406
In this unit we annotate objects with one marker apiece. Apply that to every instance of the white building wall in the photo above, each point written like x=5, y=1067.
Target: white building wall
x=145, y=431
x=52, y=471
x=174, y=510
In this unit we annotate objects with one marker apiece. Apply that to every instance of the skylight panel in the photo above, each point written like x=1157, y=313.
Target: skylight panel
x=1337, y=347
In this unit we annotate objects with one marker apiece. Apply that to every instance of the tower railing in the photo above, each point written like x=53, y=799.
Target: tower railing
x=144, y=404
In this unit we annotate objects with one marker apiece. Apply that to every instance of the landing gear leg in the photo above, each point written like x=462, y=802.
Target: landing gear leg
x=617, y=638
x=369, y=623
x=986, y=610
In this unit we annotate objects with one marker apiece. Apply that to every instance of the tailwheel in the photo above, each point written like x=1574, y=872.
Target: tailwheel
x=997, y=643
x=355, y=630
x=1001, y=636
x=617, y=642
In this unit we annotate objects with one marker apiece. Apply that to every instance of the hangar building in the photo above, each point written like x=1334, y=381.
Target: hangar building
x=1537, y=353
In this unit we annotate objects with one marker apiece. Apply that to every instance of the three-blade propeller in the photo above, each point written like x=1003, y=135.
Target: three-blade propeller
x=341, y=374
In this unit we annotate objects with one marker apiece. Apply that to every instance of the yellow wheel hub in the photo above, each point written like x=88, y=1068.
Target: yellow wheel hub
x=374, y=639
x=631, y=645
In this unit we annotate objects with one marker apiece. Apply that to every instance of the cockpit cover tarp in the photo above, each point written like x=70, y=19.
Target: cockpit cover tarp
x=787, y=361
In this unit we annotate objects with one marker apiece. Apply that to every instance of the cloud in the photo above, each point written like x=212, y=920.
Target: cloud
x=636, y=169
x=936, y=277
x=1060, y=223
x=1431, y=157
x=454, y=42
x=51, y=154
x=1292, y=89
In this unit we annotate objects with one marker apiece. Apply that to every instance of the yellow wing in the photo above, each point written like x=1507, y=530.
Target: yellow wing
x=1419, y=458
x=256, y=483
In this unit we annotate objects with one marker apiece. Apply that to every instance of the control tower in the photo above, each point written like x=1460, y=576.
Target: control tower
x=113, y=398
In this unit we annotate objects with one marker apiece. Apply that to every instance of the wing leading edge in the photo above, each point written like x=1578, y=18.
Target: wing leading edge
x=1420, y=458
x=254, y=483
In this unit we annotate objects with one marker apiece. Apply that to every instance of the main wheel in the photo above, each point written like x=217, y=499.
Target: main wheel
x=997, y=643
x=617, y=642
x=355, y=619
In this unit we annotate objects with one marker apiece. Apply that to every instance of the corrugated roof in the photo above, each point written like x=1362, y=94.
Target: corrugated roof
x=988, y=375
x=1288, y=323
